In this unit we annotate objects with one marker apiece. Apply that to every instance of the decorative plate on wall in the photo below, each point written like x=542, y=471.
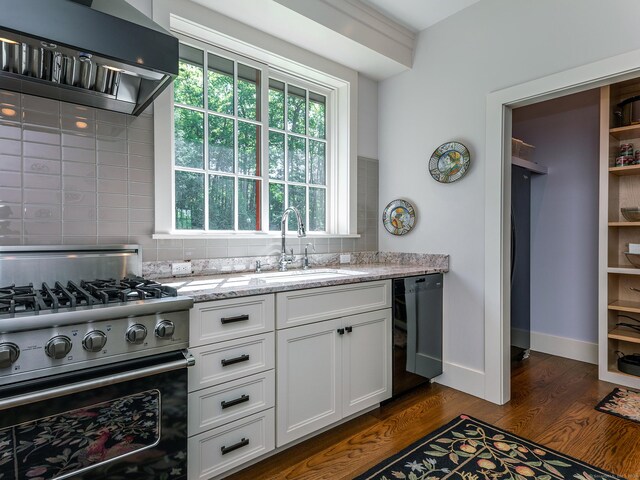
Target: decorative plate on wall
x=399, y=217
x=449, y=162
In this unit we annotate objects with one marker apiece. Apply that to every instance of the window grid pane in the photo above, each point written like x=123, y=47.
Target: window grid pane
x=229, y=196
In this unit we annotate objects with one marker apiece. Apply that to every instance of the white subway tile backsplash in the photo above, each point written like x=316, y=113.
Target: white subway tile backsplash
x=111, y=200
x=79, y=169
x=142, y=149
x=113, y=158
x=216, y=252
x=11, y=99
x=139, y=201
x=144, y=163
x=168, y=254
x=10, y=240
x=10, y=194
x=80, y=229
x=112, y=215
x=45, y=213
x=79, y=198
x=78, y=125
x=10, y=210
x=42, y=240
x=142, y=176
x=109, y=172
x=136, y=188
x=10, y=227
x=140, y=215
x=41, y=104
x=111, y=145
x=41, y=150
x=111, y=117
x=9, y=113
x=41, y=118
x=140, y=136
x=140, y=228
x=89, y=240
x=111, y=130
x=142, y=121
x=10, y=130
x=79, y=184
x=80, y=141
x=72, y=154
x=35, y=180
x=10, y=147
x=41, y=165
x=112, y=240
x=41, y=135
x=112, y=186
x=38, y=227
x=10, y=163
x=193, y=253
x=44, y=197
x=112, y=229
x=80, y=213
x=72, y=109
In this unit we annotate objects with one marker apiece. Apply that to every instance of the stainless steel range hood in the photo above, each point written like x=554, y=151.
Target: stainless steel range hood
x=98, y=53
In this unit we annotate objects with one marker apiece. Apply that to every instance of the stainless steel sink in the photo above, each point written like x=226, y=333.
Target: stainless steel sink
x=302, y=275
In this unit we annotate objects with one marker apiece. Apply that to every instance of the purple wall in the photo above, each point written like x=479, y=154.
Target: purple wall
x=564, y=214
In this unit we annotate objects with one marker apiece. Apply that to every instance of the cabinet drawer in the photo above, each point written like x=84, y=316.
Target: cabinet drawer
x=225, y=361
x=222, y=320
x=300, y=307
x=219, y=450
x=216, y=406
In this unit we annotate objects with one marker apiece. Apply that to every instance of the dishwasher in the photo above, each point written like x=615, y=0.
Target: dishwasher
x=417, y=331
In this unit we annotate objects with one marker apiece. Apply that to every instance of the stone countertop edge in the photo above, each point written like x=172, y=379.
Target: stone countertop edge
x=223, y=286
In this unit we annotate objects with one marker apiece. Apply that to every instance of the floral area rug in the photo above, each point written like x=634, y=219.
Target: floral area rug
x=468, y=449
x=622, y=403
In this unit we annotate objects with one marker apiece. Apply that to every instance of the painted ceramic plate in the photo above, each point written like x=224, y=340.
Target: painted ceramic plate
x=449, y=162
x=399, y=217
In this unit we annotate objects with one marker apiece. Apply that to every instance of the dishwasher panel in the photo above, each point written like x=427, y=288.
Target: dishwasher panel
x=417, y=331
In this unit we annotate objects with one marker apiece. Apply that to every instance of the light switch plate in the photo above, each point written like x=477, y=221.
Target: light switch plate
x=346, y=258
x=181, y=268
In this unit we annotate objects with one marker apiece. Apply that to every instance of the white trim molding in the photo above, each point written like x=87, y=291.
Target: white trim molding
x=565, y=347
x=498, y=205
x=462, y=378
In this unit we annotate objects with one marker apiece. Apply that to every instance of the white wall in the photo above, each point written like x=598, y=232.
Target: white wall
x=564, y=214
x=367, y=117
x=489, y=46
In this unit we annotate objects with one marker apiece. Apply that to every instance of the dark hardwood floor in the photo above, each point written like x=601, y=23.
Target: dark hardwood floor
x=552, y=403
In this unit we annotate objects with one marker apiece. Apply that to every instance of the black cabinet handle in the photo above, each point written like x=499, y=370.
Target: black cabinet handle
x=239, y=318
x=231, y=361
x=231, y=403
x=341, y=331
x=349, y=329
x=242, y=443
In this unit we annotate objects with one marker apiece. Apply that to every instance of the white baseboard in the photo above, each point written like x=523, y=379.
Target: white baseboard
x=565, y=347
x=462, y=378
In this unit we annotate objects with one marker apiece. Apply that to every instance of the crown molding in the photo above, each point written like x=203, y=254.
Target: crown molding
x=362, y=24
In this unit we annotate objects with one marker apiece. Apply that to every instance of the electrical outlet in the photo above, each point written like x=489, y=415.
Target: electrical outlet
x=182, y=268
x=346, y=258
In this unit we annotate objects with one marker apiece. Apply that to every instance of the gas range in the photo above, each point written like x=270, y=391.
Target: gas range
x=69, y=308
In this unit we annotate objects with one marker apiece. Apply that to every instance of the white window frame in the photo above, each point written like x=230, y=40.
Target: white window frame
x=280, y=57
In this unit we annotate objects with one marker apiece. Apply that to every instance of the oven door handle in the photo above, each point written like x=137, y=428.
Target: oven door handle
x=42, y=395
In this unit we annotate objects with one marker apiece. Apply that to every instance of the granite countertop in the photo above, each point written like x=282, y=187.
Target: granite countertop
x=216, y=287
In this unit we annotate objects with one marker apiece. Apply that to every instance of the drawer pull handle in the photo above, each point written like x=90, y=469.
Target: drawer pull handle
x=341, y=331
x=239, y=318
x=242, y=443
x=231, y=361
x=231, y=403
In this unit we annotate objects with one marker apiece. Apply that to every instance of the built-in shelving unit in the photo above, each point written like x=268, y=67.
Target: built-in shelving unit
x=619, y=280
x=529, y=165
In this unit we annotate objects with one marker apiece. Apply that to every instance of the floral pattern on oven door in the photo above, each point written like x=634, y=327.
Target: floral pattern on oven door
x=62, y=445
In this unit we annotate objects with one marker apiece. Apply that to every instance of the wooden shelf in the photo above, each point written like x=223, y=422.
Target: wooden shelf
x=625, y=306
x=624, y=171
x=624, y=335
x=624, y=270
x=625, y=133
x=624, y=224
x=529, y=165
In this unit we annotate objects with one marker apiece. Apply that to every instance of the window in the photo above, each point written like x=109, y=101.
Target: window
x=245, y=131
x=219, y=136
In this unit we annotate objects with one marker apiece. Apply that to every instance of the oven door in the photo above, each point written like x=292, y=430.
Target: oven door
x=122, y=421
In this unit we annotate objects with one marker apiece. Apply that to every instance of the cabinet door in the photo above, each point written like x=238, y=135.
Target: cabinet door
x=309, y=380
x=366, y=357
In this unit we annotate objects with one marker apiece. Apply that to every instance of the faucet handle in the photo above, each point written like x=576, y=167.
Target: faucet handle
x=313, y=247
x=292, y=257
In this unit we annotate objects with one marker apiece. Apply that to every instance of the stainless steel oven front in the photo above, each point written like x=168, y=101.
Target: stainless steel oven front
x=125, y=420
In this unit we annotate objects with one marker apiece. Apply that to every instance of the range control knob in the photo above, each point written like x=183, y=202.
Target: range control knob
x=58, y=347
x=9, y=353
x=94, y=341
x=165, y=329
x=136, y=334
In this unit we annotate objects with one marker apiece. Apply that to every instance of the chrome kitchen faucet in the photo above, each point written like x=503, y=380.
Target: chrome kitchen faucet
x=284, y=258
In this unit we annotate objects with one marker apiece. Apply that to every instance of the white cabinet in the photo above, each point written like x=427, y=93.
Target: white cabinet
x=329, y=370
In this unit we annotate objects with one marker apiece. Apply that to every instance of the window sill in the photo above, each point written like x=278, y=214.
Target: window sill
x=272, y=235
